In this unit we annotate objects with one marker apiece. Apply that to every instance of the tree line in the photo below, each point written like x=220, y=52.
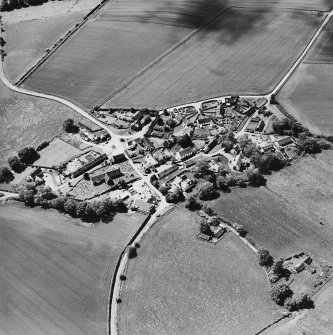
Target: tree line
x=9, y=5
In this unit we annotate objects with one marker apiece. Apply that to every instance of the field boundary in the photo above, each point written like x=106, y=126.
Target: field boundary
x=160, y=58
x=64, y=38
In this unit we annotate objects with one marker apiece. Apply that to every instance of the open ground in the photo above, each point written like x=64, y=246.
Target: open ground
x=56, y=275
x=244, y=51
x=308, y=93
x=285, y=216
x=181, y=285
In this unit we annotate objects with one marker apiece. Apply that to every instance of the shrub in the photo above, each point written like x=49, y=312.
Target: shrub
x=256, y=179
x=15, y=163
x=205, y=228
x=208, y=210
x=69, y=126
x=301, y=302
x=192, y=203
x=5, y=174
x=122, y=277
x=131, y=252
x=264, y=257
x=309, y=145
x=28, y=155
x=240, y=229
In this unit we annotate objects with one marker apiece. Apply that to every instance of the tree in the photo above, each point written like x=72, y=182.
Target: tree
x=222, y=184
x=208, y=210
x=309, y=145
x=202, y=167
x=264, y=257
x=277, y=268
x=70, y=207
x=205, y=228
x=256, y=179
x=86, y=176
x=69, y=125
x=28, y=155
x=45, y=192
x=240, y=229
x=5, y=175
x=207, y=191
x=163, y=189
x=175, y=196
x=301, y=302
x=213, y=221
x=57, y=203
x=81, y=209
x=184, y=141
x=281, y=126
x=15, y=163
x=192, y=203
x=131, y=252
x=280, y=293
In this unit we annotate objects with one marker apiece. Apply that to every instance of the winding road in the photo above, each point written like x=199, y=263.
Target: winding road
x=116, y=143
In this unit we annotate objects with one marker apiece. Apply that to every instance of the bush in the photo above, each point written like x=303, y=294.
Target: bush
x=15, y=164
x=70, y=207
x=240, y=229
x=309, y=145
x=175, y=196
x=205, y=228
x=122, y=277
x=69, y=126
x=131, y=252
x=42, y=145
x=256, y=179
x=280, y=293
x=28, y=155
x=222, y=184
x=192, y=203
x=208, y=210
x=264, y=257
x=301, y=302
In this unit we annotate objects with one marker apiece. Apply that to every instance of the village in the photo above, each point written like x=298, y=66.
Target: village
x=161, y=151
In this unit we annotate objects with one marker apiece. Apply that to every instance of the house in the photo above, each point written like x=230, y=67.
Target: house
x=94, y=162
x=208, y=147
x=149, y=145
x=237, y=162
x=218, y=231
x=235, y=150
x=281, y=142
x=105, y=176
x=300, y=266
x=187, y=184
x=266, y=146
x=185, y=153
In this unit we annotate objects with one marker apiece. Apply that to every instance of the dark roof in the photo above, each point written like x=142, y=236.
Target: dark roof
x=119, y=158
x=90, y=165
x=204, y=120
x=148, y=143
x=186, y=152
x=115, y=172
x=166, y=172
x=284, y=140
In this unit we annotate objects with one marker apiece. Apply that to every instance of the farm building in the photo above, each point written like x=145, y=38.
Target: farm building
x=281, y=142
x=167, y=171
x=185, y=153
x=106, y=176
x=204, y=121
x=208, y=147
x=89, y=165
x=119, y=158
x=149, y=145
x=89, y=126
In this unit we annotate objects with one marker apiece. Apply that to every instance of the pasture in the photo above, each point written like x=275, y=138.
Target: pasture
x=28, y=121
x=243, y=51
x=56, y=152
x=55, y=274
x=104, y=53
x=285, y=216
x=308, y=97
x=181, y=285
x=27, y=41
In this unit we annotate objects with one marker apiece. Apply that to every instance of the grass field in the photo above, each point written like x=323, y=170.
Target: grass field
x=244, y=51
x=27, y=41
x=295, y=4
x=27, y=121
x=180, y=285
x=104, y=53
x=55, y=275
x=285, y=217
x=308, y=93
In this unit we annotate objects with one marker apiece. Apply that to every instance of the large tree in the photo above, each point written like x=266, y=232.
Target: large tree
x=5, y=174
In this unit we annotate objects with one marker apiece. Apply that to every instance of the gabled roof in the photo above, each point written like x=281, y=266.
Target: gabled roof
x=185, y=152
x=284, y=140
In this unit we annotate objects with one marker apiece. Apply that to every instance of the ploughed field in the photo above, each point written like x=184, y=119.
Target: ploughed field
x=55, y=275
x=308, y=93
x=121, y=40
x=181, y=285
x=243, y=51
x=285, y=216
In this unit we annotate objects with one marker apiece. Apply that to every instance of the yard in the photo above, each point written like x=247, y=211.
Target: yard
x=181, y=285
x=28, y=121
x=283, y=216
x=55, y=274
x=105, y=52
x=244, y=51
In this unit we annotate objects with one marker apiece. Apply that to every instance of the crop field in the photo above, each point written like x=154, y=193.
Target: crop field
x=27, y=41
x=28, y=121
x=244, y=51
x=104, y=53
x=323, y=5
x=56, y=275
x=285, y=216
x=56, y=152
x=180, y=285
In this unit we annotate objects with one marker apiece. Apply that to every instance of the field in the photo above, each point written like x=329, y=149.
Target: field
x=27, y=121
x=56, y=152
x=308, y=93
x=295, y=4
x=244, y=51
x=317, y=321
x=104, y=53
x=285, y=217
x=55, y=275
x=181, y=285
x=27, y=41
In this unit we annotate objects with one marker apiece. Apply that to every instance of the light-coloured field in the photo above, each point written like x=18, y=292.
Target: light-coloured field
x=180, y=285
x=244, y=51
x=308, y=97
x=27, y=41
x=323, y=5
x=285, y=216
x=28, y=121
x=104, y=53
x=55, y=275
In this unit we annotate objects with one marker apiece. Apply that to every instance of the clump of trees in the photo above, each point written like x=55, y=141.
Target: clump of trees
x=264, y=257
x=206, y=191
x=205, y=228
x=25, y=156
x=185, y=141
x=303, y=301
x=228, y=140
x=256, y=178
x=175, y=196
x=70, y=126
x=240, y=229
x=280, y=293
x=6, y=174
x=33, y=194
x=9, y=5
x=192, y=203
